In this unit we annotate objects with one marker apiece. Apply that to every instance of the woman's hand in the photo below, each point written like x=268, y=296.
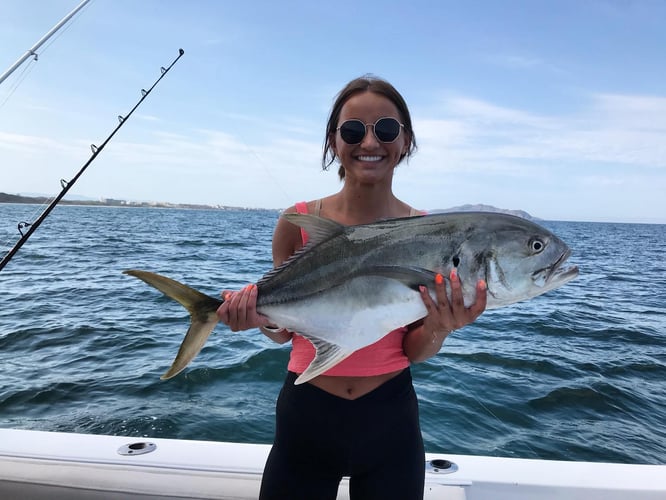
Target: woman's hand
x=239, y=310
x=444, y=316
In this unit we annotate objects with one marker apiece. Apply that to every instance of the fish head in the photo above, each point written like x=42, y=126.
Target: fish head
x=517, y=258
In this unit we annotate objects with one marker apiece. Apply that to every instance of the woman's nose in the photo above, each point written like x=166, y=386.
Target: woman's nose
x=369, y=139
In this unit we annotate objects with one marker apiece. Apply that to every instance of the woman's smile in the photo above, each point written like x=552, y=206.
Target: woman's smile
x=367, y=158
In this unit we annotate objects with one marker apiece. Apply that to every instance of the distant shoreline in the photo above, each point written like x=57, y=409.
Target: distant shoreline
x=6, y=198
x=110, y=202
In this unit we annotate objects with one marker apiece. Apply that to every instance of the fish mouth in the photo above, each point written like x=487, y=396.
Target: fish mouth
x=555, y=274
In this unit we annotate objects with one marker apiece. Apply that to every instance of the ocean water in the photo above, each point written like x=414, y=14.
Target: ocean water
x=576, y=374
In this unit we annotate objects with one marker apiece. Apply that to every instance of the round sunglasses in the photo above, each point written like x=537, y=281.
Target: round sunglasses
x=386, y=130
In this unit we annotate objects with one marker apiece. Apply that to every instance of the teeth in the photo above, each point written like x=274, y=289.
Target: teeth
x=369, y=158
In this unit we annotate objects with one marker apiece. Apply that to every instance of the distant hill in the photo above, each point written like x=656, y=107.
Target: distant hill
x=479, y=207
x=17, y=198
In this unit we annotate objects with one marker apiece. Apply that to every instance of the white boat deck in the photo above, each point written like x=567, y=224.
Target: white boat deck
x=41, y=465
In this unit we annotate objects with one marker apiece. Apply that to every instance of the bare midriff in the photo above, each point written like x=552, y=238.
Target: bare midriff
x=351, y=387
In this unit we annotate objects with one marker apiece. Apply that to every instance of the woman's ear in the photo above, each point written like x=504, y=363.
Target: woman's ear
x=406, y=145
x=332, y=145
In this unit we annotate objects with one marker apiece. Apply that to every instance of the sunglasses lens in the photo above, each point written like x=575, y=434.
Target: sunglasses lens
x=352, y=131
x=387, y=129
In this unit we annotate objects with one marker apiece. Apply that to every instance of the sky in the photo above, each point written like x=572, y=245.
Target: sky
x=556, y=107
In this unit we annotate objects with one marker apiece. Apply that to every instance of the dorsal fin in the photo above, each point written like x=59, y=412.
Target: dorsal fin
x=318, y=228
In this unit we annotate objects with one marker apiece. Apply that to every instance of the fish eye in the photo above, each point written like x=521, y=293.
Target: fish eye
x=537, y=245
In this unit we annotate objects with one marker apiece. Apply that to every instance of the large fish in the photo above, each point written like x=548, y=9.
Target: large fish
x=351, y=285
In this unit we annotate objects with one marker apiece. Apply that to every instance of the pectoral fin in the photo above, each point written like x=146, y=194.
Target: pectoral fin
x=412, y=277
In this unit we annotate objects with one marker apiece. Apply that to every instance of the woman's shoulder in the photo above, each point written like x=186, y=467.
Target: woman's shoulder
x=413, y=212
x=313, y=207
x=303, y=207
x=408, y=210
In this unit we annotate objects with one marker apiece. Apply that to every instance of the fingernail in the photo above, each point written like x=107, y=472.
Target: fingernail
x=439, y=279
x=226, y=296
x=454, y=274
x=483, y=285
x=422, y=289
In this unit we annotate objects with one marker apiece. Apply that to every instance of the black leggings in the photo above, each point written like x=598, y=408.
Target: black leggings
x=319, y=438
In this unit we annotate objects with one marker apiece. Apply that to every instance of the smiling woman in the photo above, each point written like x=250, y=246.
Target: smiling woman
x=370, y=381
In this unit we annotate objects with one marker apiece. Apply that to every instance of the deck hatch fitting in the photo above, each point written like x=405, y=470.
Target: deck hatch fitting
x=138, y=448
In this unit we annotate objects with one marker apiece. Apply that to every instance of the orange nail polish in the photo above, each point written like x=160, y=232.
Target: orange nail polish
x=454, y=274
x=483, y=284
x=439, y=279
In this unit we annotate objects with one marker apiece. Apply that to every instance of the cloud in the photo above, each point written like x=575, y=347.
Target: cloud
x=521, y=62
x=616, y=129
x=31, y=144
x=148, y=118
x=212, y=166
x=600, y=159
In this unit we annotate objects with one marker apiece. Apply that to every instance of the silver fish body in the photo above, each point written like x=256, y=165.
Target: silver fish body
x=351, y=285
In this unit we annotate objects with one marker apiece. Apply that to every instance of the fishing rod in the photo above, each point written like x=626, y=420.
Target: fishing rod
x=32, y=227
x=32, y=50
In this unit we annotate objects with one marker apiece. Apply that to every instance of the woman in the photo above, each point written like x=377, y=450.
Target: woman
x=360, y=418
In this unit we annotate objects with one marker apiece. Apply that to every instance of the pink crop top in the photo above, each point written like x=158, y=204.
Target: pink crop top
x=384, y=356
